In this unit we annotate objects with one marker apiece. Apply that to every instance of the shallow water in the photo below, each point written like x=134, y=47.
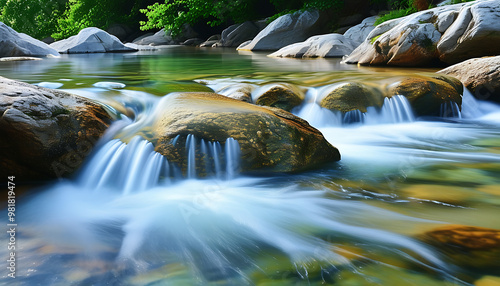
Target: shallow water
x=129, y=218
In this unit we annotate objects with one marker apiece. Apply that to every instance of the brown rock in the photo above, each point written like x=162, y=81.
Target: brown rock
x=480, y=75
x=427, y=94
x=270, y=139
x=284, y=96
x=44, y=133
x=351, y=96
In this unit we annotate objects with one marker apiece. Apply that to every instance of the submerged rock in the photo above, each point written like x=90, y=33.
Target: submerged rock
x=284, y=96
x=286, y=30
x=14, y=44
x=270, y=139
x=91, y=40
x=467, y=246
x=349, y=97
x=428, y=94
x=481, y=76
x=240, y=91
x=323, y=46
x=45, y=133
x=449, y=34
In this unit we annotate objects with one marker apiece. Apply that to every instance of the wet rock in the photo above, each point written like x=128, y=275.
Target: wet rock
x=323, y=46
x=241, y=92
x=349, y=97
x=285, y=30
x=14, y=44
x=480, y=75
x=427, y=94
x=468, y=246
x=211, y=41
x=91, y=40
x=448, y=34
x=358, y=33
x=45, y=133
x=17, y=59
x=270, y=139
x=283, y=95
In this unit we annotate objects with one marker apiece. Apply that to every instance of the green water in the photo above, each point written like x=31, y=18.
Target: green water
x=319, y=227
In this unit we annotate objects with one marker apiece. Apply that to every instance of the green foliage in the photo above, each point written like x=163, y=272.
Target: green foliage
x=81, y=14
x=173, y=14
x=460, y=1
x=394, y=15
x=37, y=18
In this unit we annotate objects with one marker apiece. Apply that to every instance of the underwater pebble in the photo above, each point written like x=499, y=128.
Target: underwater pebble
x=53, y=85
x=108, y=84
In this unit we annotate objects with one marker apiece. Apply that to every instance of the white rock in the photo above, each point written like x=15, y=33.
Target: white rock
x=14, y=44
x=449, y=34
x=323, y=46
x=285, y=30
x=107, y=84
x=52, y=85
x=358, y=33
x=91, y=40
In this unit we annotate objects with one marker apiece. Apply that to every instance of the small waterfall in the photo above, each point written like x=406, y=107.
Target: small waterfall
x=396, y=109
x=191, y=156
x=232, y=150
x=316, y=115
x=353, y=116
x=450, y=109
x=132, y=167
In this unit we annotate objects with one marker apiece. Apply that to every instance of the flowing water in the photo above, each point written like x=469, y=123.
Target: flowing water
x=130, y=217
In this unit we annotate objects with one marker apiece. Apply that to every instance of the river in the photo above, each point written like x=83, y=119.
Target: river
x=127, y=218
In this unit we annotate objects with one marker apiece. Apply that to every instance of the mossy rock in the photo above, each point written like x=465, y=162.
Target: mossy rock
x=351, y=96
x=427, y=94
x=467, y=246
x=46, y=133
x=269, y=138
x=283, y=95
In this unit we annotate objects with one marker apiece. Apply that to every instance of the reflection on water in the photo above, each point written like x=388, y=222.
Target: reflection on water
x=130, y=219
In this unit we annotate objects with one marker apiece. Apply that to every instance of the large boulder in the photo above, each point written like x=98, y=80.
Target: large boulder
x=270, y=139
x=322, y=46
x=14, y=44
x=239, y=91
x=481, y=76
x=358, y=33
x=429, y=96
x=46, y=133
x=281, y=95
x=91, y=40
x=235, y=35
x=448, y=34
x=285, y=30
x=350, y=96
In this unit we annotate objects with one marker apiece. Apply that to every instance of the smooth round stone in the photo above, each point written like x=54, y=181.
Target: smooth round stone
x=108, y=84
x=53, y=85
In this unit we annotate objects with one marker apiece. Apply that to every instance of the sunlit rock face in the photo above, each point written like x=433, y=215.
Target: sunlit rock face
x=14, y=44
x=46, y=133
x=322, y=46
x=286, y=30
x=91, y=40
x=448, y=34
x=270, y=139
x=480, y=75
